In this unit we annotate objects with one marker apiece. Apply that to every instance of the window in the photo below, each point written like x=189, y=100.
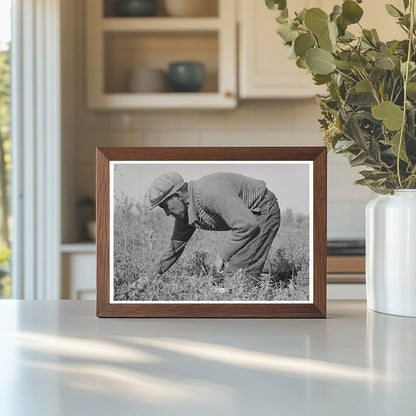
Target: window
x=5, y=147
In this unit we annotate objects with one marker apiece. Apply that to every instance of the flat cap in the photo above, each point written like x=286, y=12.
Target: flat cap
x=163, y=187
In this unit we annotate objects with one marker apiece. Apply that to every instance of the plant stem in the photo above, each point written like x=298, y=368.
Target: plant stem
x=406, y=79
x=346, y=75
x=373, y=88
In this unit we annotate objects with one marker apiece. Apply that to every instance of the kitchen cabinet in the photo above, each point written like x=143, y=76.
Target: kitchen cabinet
x=265, y=70
x=118, y=45
x=78, y=262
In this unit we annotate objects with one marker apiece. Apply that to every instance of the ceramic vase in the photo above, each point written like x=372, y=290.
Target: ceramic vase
x=391, y=253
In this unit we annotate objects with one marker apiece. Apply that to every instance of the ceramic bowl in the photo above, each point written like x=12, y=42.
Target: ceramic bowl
x=135, y=8
x=191, y=8
x=147, y=80
x=186, y=76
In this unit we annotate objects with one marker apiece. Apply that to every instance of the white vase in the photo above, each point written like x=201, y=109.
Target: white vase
x=391, y=253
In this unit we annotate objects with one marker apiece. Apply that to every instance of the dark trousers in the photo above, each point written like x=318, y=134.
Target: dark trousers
x=252, y=256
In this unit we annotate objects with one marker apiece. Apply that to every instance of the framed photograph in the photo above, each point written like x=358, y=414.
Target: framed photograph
x=211, y=232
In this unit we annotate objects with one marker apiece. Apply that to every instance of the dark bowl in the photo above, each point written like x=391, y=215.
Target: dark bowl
x=135, y=8
x=186, y=76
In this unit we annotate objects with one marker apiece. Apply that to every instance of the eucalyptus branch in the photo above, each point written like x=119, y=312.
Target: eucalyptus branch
x=362, y=59
x=406, y=79
x=392, y=91
x=373, y=88
x=346, y=75
x=398, y=95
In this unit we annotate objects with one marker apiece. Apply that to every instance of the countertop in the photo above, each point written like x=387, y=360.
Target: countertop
x=57, y=358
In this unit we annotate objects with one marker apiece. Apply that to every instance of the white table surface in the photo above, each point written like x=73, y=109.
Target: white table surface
x=57, y=358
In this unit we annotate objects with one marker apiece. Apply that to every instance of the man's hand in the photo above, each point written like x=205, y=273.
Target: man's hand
x=219, y=264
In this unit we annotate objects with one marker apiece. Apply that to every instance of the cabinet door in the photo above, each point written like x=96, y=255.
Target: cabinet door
x=266, y=71
x=78, y=276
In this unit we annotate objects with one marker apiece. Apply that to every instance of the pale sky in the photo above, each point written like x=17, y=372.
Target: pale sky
x=289, y=182
x=5, y=19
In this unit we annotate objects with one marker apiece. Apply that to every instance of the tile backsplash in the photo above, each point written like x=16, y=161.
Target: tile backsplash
x=257, y=123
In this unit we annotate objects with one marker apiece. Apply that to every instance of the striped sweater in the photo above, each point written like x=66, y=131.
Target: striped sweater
x=218, y=202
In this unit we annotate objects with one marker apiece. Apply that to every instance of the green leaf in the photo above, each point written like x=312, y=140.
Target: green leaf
x=363, y=86
x=343, y=145
x=374, y=150
x=382, y=89
x=394, y=143
x=393, y=11
x=384, y=62
x=333, y=32
x=347, y=37
x=287, y=33
x=344, y=65
x=351, y=11
x=342, y=25
x=285, y=13
x=358, y=61
x=336, y=12
x=354, y=132
x=325, y=42
x=316, y=20
x=358, y=160
x=396, y=70
x=319, y=61
x=276, y=4
x=303, y=43
x=375, y=35
x=365, y=182
x=362, y=99
x=368, y=36
x=282, y=20
x=301, y=63
x=301, y=15
x=412, y=67
x=321, y=79
x=374, y=174
x=411, y=90
x=391, y=114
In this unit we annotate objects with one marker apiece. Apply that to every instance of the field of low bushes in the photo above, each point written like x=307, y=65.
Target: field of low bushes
x=140, y=236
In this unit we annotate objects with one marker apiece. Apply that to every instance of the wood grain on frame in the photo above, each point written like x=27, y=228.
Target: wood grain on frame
x=317, y=309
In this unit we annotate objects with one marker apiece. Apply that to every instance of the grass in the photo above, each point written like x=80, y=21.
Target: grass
x=140, y=236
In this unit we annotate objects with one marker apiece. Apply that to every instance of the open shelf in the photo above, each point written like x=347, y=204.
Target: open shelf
x=127, y=51
x=160, y=24
x=116, y=46
x=210, y=9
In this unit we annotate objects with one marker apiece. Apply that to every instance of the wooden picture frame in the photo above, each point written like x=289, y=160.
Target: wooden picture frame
x=272, y=161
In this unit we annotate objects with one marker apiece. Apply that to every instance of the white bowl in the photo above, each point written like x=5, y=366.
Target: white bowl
x=191, y=8
x=147, y=80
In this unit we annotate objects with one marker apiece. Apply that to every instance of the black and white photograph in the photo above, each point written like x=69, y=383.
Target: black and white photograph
x=195, y=231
